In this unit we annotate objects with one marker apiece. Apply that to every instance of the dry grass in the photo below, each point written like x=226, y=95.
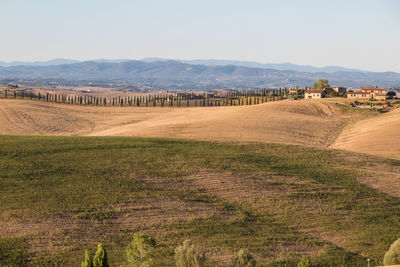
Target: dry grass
x=313, y=123
x=378, y=135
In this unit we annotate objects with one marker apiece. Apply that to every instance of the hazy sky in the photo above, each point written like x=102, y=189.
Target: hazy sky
x=361, y=34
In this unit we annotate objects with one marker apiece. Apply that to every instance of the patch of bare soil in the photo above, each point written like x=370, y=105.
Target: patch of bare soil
x=48, y=234
x=161, y=211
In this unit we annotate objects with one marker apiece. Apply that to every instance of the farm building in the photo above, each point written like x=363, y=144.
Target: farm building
x=369, y=93
x=309, y=94
x=375, y=92
x=339, y=89
x=380, y=96
x=358, y=95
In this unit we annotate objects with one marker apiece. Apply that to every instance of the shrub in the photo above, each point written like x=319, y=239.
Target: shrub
x=304, y=262
x=392, y=256
x=189, y=255
x=139, y=252
x=243, y=259
x=88, y=260
x=100, y=258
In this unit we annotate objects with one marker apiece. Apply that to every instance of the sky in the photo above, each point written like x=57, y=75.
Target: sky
x=363, y=34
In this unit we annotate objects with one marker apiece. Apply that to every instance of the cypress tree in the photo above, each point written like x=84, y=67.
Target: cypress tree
x=88, y=260
x=100, y=258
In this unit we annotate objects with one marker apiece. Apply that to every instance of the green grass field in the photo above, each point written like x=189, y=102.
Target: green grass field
x=62, y=195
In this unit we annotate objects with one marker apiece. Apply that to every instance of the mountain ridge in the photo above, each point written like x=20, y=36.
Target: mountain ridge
x=207, y=62
x=176, y=74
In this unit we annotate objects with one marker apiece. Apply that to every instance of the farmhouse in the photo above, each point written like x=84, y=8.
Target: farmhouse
x=369, y=93
x=358, y=95
x=375, y=92
x=309, y=94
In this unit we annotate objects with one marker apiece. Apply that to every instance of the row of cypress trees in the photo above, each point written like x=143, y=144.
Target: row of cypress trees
x=162, y=100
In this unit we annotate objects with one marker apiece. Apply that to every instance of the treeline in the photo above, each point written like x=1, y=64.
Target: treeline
x=233, y=98
x=141, y=253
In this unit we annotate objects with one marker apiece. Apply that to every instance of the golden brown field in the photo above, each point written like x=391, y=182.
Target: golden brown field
x=378, y=135
x=313, y=123
x=304, y=122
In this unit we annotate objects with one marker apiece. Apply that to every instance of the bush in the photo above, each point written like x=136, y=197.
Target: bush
x=304, y=262
x=243, y=259
x=139, y=252
x=88, y=260
x=392, y=256
x=189, y=255
x=100, y=258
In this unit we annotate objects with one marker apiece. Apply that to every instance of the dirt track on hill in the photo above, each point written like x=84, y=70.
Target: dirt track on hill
x=314, y=123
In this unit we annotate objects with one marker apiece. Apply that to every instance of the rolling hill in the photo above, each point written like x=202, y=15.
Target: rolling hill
x=314, y=123
x=273, y=186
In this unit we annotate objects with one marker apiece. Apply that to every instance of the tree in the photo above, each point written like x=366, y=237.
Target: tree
x=88, y=260
x=304, y=262
x=391, y=94
x=100, y=258
x=392, y=256
x=243, y=259
x=189, y=255
x=140, y=251
x=321, y=84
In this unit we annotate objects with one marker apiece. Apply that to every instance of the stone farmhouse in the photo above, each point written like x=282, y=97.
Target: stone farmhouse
x=369, y=93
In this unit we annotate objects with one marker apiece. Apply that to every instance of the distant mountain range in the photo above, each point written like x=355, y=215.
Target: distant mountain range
x=252, y=64
x=207, y=62
x=173, y=74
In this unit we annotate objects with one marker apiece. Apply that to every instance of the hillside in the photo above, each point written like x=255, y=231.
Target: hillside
x=177, y=75
x=377, y=135
x=62, y=195
x=314, y=123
